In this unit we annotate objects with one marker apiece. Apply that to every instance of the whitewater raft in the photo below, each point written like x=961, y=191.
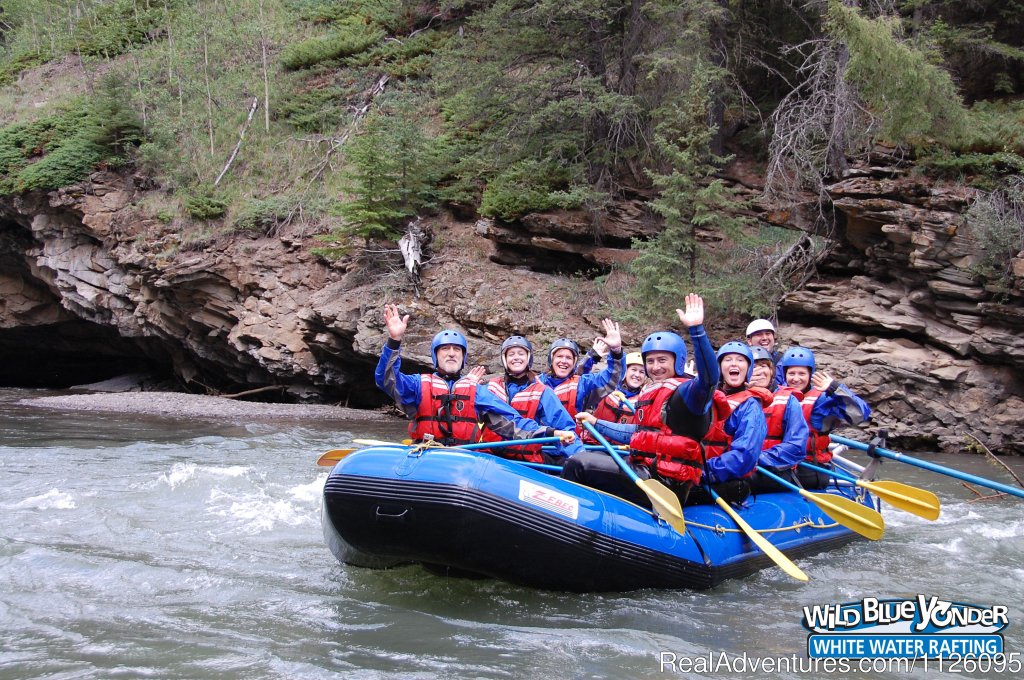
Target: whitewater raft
x=468, y=513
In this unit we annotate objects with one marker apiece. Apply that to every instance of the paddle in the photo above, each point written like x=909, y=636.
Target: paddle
x=760, y=541
x=330, y=459
x=470, y=447
x=664, y=502
x=850, y=514
x=903, y=496
x=904, y=458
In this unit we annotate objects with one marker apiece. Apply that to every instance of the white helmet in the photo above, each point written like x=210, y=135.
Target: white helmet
x=759, y=325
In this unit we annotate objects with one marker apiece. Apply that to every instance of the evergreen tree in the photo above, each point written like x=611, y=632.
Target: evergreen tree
x=690, y=201
x=391, y=175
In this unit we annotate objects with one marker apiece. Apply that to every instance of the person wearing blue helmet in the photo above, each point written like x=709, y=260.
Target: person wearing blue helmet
x=763, y=375
x=443, y=405
x=583, y=392
x=826, y=403
x=519, y=388
x=733, y=442
x=673, y=414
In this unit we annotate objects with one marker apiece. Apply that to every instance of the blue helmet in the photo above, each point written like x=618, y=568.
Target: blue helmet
x=562, y=343
x=666, y=341
x=449, y=337
x=761, y=354
x=741, y=348
x=517, y=341
x=797, y=356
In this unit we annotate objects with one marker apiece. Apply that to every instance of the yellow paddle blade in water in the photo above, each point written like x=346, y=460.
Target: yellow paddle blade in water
x=786, y=564
x=851, y=514
x=905, y=497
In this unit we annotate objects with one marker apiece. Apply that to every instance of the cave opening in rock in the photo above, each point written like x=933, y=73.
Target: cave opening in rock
x=69, y=353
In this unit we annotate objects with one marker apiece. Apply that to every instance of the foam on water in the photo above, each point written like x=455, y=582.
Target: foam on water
x=179, y=474
x=54, y=499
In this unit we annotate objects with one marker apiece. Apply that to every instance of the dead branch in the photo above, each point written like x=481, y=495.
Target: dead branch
x=257, y=390
x=241, y=136
x=336, y=143
x=995, y=461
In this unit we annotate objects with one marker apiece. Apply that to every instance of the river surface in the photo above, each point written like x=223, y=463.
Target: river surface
x=135, y=546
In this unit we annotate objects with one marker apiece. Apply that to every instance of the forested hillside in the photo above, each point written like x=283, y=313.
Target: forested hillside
x=351, y=118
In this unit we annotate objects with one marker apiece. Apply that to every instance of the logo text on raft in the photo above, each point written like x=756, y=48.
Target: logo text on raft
x=921, y=615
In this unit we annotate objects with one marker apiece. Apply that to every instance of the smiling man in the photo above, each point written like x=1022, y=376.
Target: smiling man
x=673, y=413
x=443, y=404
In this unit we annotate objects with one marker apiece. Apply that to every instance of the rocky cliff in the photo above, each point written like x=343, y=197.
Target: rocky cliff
x=90, y=287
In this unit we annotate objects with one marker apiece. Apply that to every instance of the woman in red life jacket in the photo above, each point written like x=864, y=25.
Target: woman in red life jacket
x=443, y=404
x=738, y=427
x=672, y=415
x=519, y=388
x=618, y=406
x=785, y=445
x=581, y=392
x=827, y=404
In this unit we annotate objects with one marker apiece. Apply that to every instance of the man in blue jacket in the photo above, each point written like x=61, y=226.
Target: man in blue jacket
x=449, y=408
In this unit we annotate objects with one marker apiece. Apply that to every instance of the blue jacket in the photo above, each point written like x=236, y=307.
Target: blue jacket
x=747, y=427
x=593, y=387
x=550, y=412
x=691, y=401
x=793, y=447
x=493, y=412
x=838, y=406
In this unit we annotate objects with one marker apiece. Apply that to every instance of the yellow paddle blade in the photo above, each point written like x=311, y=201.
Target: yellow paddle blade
x=905, y=497
x=851, y=514
x=665, y=503
x=333, y=456
x=763, y=543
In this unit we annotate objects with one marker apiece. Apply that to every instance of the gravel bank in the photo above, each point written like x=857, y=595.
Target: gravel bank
x=183, y=405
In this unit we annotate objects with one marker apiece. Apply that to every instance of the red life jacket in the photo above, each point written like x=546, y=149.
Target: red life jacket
x=566, y=393
x=716, y=441
x=449, y=415
x=606, y=410
x=526, y=402
x=672, y=455
x=817, y=443
x=775, y=414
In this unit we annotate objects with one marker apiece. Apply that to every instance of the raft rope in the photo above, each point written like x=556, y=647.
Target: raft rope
x=719, y=529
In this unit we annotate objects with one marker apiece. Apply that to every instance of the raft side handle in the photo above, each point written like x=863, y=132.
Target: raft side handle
x=390, y=514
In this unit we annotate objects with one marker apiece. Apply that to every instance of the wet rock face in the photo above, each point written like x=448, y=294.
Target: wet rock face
x=935, y=352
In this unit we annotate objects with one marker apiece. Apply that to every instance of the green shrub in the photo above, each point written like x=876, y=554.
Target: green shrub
x=264, y=215
x=996, y=220
x=116, y=26
x=994, y=127
x=316, y=109
x=982, y=170
x=205, y=205
x=528, y=186
x=11, y=67
x=351, y=37
x=320, y=11
x=65, y=147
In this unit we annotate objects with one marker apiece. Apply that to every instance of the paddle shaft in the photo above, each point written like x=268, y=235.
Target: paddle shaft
x=941, y=469
x=611, y=451
x=776, y=555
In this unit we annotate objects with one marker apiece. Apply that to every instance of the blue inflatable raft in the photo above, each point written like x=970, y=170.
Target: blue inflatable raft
x=470, y=513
